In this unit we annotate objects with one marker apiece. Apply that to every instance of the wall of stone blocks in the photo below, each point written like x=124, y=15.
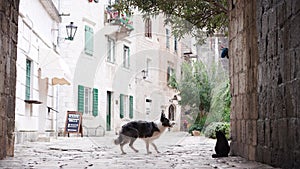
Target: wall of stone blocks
x=264, y=73
x=8, y=53
x=243, y=63
x=278, y=28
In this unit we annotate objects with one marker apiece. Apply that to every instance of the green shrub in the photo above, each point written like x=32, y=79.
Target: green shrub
x=210, y=130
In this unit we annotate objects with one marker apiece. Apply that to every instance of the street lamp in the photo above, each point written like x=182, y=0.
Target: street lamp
x=71, y=30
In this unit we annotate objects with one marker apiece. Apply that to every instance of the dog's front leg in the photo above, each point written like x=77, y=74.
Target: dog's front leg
x=121, y=147
x=131, y=144
x=147, y=147
x=155, y=147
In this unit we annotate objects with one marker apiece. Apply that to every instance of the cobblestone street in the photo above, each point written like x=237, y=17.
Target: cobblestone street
x=178, y=150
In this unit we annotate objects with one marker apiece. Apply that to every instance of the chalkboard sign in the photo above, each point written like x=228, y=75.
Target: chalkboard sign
x=73, y=123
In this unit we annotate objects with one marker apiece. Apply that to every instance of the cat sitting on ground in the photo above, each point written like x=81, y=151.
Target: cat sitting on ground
x=222, y=147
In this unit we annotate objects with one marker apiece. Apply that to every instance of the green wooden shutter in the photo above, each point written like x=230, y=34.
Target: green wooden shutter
x=95, y=102
x=28, y=79
x=121, y=106
x=80, y=98
x=89, y=40
x=108, y=115
x=131, y=107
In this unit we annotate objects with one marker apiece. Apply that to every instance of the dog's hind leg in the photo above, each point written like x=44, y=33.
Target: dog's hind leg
x=155, y=147
x=132, y=140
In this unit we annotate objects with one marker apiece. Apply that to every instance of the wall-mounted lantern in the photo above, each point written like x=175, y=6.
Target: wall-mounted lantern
x=71, y=31
x=145, y=74
x=173, y=99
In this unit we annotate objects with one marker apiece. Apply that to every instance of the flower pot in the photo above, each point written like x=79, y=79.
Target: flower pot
x=196, y=133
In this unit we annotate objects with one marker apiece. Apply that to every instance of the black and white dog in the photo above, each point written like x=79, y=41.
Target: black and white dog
x=148, y=131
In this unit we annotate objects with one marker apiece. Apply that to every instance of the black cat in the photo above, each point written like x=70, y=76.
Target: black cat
x=222, y=147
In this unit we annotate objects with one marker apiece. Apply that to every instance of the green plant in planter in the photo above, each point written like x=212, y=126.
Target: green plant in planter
x=210, y=130
x=195, y=127
x=198, y=125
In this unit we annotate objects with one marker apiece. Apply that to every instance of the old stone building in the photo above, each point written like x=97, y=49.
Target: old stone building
x=264, y=73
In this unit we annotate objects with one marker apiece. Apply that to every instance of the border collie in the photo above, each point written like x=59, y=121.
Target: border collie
x=148, y=131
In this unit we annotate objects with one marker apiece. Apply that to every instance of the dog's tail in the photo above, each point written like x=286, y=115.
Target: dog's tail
x=118, y=140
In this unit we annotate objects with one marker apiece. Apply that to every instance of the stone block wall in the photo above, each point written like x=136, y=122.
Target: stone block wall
x=9, y=12
x=278, y=28
x=265, y=80
x=243, y=63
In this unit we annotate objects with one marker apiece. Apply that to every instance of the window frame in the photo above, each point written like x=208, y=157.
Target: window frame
x=175, y=44
x=126, y=57
x=111, y=50
x=124, y=106
x=170, y=72
x=148, y=28
x=88, y=100
x=167, y=38
x=28, y=79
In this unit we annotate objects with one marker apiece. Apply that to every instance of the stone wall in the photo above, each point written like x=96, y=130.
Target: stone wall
x=264, y=74
x=243, y=63
x=278, y=125
x=8, y=53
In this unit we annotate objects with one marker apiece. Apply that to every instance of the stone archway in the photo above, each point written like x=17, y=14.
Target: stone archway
x=9, y=13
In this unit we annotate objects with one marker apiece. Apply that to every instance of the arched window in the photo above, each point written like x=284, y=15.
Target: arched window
x=148, y=28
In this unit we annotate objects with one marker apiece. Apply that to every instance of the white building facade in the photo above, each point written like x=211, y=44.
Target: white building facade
x=38, y=65
x=115, y=69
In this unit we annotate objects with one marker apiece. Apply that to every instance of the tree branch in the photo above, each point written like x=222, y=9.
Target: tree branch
x=218, y=5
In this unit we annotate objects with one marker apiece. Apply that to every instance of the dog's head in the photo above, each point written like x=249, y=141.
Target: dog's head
x=165, y=121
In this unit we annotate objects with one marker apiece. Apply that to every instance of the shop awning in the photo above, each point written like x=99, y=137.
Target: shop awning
x=53, y=67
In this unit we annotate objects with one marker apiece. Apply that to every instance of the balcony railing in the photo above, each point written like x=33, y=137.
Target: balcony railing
x=116, y=18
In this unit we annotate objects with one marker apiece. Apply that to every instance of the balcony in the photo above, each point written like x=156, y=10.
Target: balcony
x=123, y=21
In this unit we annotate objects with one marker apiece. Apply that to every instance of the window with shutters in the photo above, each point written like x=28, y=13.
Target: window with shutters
x=148, y=28
x=89, y=40
x=88, y=100
x=126, y=55
x=111, y=50
x=167, y=38
x=28, y=79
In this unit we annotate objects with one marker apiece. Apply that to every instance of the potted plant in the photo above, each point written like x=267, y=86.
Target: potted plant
x=195, y=129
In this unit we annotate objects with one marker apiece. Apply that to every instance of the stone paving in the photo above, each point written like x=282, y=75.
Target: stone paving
x=178, y=150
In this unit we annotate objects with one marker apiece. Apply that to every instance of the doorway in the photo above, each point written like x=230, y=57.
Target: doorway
x=108, y=111
x=171, y=112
